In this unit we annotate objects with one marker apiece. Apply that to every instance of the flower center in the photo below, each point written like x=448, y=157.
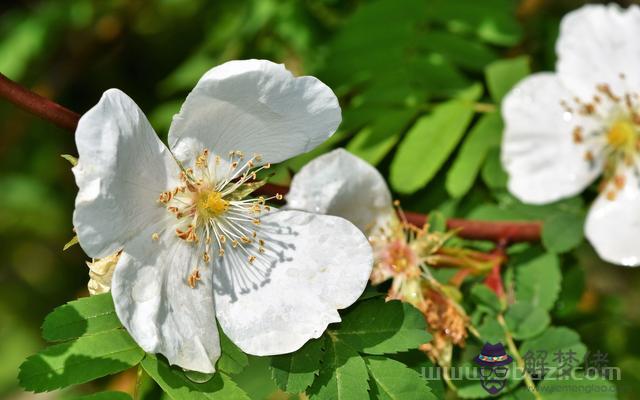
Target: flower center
x=209, y=204
x=213, y=212
x=622, y=136
x=614, y=142
x=399, y=255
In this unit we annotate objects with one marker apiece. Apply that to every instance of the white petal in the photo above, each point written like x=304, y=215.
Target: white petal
x=122, y=169
x=341, y=184
x=613, y=226
x=538, y=152
x=595, y=45
x=316, y=265
x=254, y=106
x=157, y=306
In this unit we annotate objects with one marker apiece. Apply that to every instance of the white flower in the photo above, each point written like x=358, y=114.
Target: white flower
x=194, y=248
x=565, y=129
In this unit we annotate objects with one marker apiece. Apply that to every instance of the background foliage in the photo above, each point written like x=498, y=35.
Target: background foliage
x=420, y=82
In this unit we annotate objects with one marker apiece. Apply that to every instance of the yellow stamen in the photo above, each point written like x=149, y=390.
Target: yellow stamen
x=622, y=135
x=211, y=204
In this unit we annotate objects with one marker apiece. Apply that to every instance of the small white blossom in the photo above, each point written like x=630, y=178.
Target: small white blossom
x=565, y=129
x=194, y=247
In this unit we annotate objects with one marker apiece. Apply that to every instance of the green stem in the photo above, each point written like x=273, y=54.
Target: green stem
x=519, y=360
x=136, y=390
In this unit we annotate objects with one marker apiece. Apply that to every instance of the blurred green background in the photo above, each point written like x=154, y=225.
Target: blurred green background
x=389, y=61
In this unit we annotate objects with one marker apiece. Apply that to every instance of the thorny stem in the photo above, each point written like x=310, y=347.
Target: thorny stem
x=476, y=230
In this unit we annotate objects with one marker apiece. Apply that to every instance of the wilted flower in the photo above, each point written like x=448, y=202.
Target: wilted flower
x=565, y=129
x=195, y=247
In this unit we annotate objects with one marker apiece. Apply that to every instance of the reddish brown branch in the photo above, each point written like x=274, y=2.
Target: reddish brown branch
x=38, y=105
x=495, y=231
x=481, y=230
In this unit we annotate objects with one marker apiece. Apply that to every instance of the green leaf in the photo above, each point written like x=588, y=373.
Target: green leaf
x=582, y=388
x=378, y=327
x=485, y=135
x=502, y=75
x=563, y=232
x=178, y=387
x=294, y=372
x=493, y=175
x=232, y=360
x=481, y=294
x=373, y=142
x=428, y=145
x=461, y=51
x=525, y=321
x=538, y=281
x=85, y=316
x=110, y=395
x=392, y=380
x=343, y=375
x=80, y=361
x=491, y=20
x=551, y=341
x=573, y=283
x=490, y=330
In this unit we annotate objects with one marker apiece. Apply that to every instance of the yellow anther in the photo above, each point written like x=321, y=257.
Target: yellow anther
x=252, y=259
x=193, y=279
x=155, y=237
x=165, y=197
x=577, y=135
x=220, y=252
x=619, y=181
